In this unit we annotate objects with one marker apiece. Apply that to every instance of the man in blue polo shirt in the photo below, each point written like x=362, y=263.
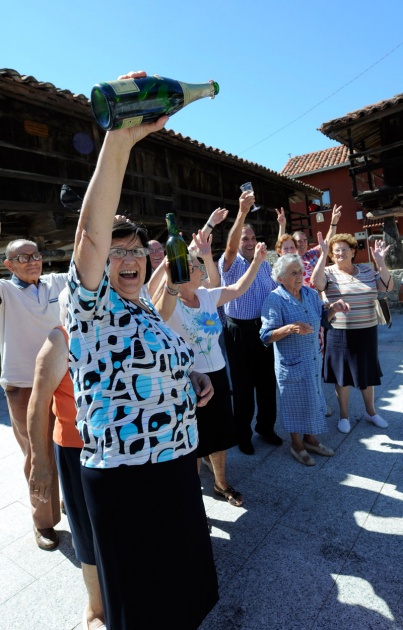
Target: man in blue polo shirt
x=251, y=363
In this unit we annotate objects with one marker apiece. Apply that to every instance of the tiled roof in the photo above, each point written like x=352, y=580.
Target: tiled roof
x=7, y=73
x=365, y=112
x=13, y=75
x=316, y=161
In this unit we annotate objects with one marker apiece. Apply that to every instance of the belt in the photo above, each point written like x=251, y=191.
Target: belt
x=245, y=322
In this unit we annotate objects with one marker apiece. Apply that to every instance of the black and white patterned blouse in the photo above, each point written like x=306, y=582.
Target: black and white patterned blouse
x=135, y=402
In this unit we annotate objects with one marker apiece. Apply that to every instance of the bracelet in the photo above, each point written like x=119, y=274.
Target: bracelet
x=333, y=225
x=171, y=291
x=210, y=226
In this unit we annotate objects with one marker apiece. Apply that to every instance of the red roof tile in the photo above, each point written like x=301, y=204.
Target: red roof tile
x=316, y=161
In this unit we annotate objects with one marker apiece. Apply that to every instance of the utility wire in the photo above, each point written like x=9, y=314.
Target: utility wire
x=324, y=99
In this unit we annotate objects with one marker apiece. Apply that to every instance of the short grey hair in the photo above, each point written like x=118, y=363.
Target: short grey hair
x=281, y=265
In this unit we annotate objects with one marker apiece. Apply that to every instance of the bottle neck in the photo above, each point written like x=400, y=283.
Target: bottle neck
x=171, y=225
x=195, y=91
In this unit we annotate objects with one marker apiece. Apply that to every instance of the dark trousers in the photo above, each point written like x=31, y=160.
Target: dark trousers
x=252, y=372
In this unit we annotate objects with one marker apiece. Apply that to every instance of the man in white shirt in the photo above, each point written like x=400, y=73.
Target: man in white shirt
x=29, y=309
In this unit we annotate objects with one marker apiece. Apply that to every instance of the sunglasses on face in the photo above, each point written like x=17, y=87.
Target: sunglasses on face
x=24, y=258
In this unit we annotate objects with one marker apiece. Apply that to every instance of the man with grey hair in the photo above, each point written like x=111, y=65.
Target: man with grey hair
x=29, y=309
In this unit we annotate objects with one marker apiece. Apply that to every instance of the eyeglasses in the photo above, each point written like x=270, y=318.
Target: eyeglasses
x=201, y=267
x=156, y=251
x=24, y=258
x=136, y=252
x=301, y=240
x=341, y=251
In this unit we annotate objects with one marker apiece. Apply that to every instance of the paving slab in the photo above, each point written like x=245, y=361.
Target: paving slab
x=317, y=548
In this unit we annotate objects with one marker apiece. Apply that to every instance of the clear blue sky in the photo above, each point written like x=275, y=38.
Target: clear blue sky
x=274, y=61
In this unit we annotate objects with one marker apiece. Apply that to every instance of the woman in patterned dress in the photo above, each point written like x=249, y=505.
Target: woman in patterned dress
x=191, y=310
x=135, y=393
x=351, y=354
x=291, y=317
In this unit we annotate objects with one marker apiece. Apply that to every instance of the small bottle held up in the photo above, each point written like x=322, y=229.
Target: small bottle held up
x=177, y=252
x=132, y=102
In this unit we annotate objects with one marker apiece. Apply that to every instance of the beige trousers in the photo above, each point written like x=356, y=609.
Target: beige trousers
x=44, y=514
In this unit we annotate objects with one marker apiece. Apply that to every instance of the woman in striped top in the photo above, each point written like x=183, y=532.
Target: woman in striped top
x=351, y=354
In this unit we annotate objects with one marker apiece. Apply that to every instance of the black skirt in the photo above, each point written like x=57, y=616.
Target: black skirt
x=152, y=545
x=351, y=357
x=215, y=421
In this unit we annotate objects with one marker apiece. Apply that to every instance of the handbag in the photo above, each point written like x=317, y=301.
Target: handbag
x=382, y=308
x=383, y=312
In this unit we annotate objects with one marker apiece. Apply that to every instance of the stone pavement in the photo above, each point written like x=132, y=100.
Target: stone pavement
x=313, y=548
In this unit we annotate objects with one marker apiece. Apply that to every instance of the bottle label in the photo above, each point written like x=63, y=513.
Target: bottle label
x=124, y=86
x=131, y=122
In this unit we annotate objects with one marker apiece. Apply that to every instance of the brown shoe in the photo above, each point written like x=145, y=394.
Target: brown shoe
x=46, y=538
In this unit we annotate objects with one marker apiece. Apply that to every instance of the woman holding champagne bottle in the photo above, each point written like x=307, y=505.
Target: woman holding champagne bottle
x=191, y=310
x=135, y=394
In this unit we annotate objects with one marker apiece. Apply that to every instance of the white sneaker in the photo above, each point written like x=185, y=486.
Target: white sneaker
x=344, y=425
x=376, y=420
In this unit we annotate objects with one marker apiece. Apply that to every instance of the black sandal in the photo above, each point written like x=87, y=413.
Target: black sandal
x=233, y=497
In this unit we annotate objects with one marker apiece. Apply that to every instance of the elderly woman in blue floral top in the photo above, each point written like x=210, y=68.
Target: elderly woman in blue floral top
x=191, y=310
x=291, y=318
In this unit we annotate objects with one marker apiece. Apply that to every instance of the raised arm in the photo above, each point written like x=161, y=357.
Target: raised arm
x=93, y=235
x=216, y=217
x=202, y=249
x=246, y=201
x=336, y=214
x=242, y=285
x=385, y=281
x=282, y=222
x=166, y=295
x=50, y=368
x=318, y=278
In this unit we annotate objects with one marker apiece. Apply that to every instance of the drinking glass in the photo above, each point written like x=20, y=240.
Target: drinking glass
x=248, y=187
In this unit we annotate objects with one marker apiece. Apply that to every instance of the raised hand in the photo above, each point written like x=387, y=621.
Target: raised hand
x=379, y=250
x=281, y=217
x=141, y=131
x=336, y=214
x=218, y=216
x=323, y=244
x=246, y=201
x=202, y=244
x=260, y=252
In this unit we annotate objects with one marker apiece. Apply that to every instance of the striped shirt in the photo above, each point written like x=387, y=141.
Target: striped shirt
x=358, y=291
x=249, y=305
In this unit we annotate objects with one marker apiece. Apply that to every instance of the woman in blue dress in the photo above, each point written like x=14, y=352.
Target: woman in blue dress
x=291, y=317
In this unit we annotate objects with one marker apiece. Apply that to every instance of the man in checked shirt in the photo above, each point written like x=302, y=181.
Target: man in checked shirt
x=251, y=363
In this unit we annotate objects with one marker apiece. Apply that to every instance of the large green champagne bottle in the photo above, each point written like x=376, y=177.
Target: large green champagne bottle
x=132, y=102
x=177, y=252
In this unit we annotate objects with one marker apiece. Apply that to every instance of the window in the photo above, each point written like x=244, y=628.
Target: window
x=326, y=205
